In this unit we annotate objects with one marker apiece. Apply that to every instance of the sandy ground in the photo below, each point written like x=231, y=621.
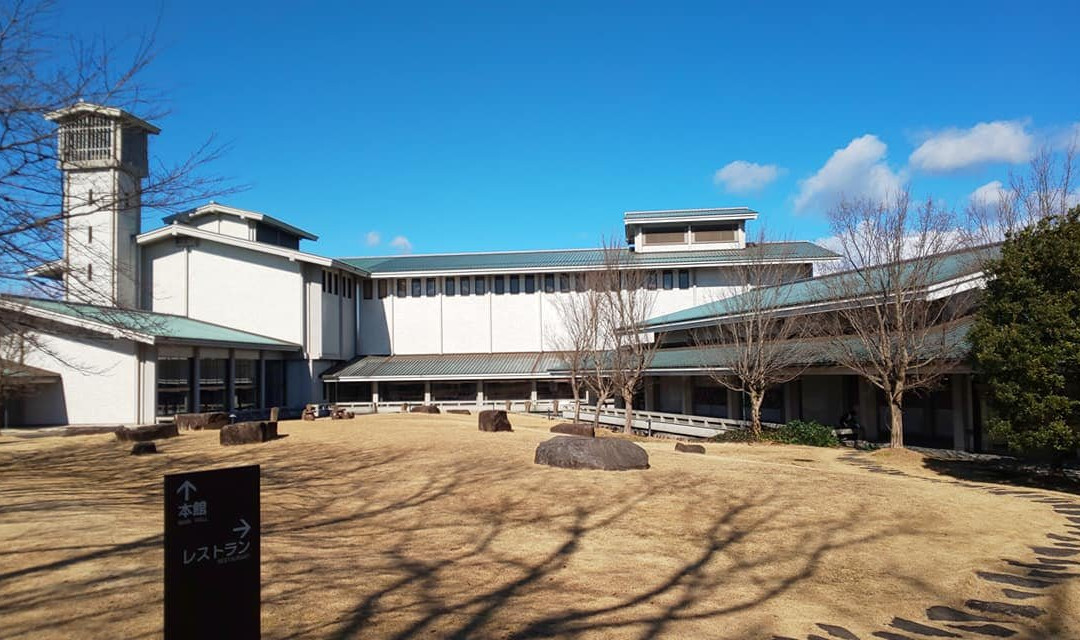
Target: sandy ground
x=396, y=526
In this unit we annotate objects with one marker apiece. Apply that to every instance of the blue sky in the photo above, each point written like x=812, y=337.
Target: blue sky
x=513, y=125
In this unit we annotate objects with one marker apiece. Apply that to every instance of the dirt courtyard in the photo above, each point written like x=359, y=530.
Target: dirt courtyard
x=408, y=526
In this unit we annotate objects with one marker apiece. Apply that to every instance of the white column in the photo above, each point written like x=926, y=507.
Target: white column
x=532, y=392
x=427, y=392
x=479, y=394
x=375, y=395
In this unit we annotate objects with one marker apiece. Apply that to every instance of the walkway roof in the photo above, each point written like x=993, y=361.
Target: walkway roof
x=469, y=366
x=142, y=326
x=822, y=290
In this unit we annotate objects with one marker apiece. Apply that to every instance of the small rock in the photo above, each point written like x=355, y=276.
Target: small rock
x=425, y=408
x=689, y=448
x=574, y=429
x=143, y=448
x=146, y=433
x=494, y=420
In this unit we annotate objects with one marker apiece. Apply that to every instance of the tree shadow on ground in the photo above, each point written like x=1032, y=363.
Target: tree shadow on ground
x=1012, y=473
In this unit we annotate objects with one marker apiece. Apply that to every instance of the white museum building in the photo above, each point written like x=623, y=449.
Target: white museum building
x=224, y=309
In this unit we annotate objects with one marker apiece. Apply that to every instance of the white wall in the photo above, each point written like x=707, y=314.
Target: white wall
x=224, y=224
x=99, y=382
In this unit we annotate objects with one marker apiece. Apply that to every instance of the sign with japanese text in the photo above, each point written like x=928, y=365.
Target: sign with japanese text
x=212, y=578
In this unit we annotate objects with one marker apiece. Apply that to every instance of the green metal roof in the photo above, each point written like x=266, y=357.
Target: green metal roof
x=469, y=365
x=578, y=259
x=166, y=327
x=821, y=289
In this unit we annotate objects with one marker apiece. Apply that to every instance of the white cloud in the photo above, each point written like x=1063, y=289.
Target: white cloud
x=402, y=244
x=858, y=170
x=373, y=238
x=988, y=195
x=954, y=149
x=741, y=176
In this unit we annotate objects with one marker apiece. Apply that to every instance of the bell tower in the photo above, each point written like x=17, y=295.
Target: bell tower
x=102, y=155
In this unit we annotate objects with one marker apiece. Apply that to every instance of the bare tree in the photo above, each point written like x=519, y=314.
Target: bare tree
x=887, y=326
x=576, y=339
x=626, y=305
x=756, y=348
x=1047, y=188
x=42, y=72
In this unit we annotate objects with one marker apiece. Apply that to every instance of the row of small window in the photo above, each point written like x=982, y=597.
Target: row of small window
x=336, y=284
x=513, y=284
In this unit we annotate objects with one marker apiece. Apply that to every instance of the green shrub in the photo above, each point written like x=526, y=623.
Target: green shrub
x=810, y=433
x=736, y=435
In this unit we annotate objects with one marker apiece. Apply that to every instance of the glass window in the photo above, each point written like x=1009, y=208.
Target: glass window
x=549, y=283
x=479, y=285
x=499, y=283
x=449, y=286
x=416, y=288
x=402, y=287
x=466, y=289
x=325, y=276
x=530, y=284
x=515, y=284
x=335, y=281
x=684, y=278
x=650, y=281
x=368, y=290
x=669, y=280
x=173, y=386
x=564, y=282
x=431, y=288
x=384, y=288
x=246, y=383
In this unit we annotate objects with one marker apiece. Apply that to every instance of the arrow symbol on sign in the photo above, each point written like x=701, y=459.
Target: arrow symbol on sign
x=243, y=528
x=187, y=488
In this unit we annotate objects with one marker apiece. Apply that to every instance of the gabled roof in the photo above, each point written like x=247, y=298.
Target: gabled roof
x=467, y=366
x=690, y=215
x=81, y=108
x=821, y=292
x=142, y=326
x=577, y=260
x=174, y=230
x=243, y=214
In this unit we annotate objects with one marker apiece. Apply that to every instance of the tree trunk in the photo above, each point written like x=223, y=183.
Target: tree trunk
x=628, y=408
x=596, y=414
x=896, y=424
x=577, y=399
x=755, y=413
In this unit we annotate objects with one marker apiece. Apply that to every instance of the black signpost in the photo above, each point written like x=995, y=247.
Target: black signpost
x=212, y=554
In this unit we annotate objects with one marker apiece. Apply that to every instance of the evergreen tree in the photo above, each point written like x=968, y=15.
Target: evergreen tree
x=1026, y=338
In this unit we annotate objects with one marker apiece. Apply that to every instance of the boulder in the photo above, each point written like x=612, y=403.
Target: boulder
x=147, y=432
x=143, y=448
x=311, y=412
x=494, y=420
x=689, y=448
x=460, y=412
x=211, y=420
x=608, y=454
x=340, y=413
x=425, y=408
x=248, y=433
x=574, y=429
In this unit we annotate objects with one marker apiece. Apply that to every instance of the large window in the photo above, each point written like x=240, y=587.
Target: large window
x=246, y=384
x=669, y=280
x=402, y=287
x=499, y=284
x=466, y=287
x=212, y=384
x=684, y=278
x=275, y=380
x=416, y=287
x=431, y=288
x=479, y=285
x=530, y=284
x=564, y=282
x=173, y=386
x=368, y=290
x=549, y=283
x=384, y=288
x=650, y=281
x=715, y=233
x=449, y=286
x=515, y=284
x=668, y=235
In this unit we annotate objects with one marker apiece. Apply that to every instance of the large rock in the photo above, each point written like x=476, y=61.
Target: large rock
x=146, y=433
x=425, y=408
x=248, y=433
x=494, y=420
x=211, y=420
x=608, y=454
x=574, y=429
x=689, y=448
